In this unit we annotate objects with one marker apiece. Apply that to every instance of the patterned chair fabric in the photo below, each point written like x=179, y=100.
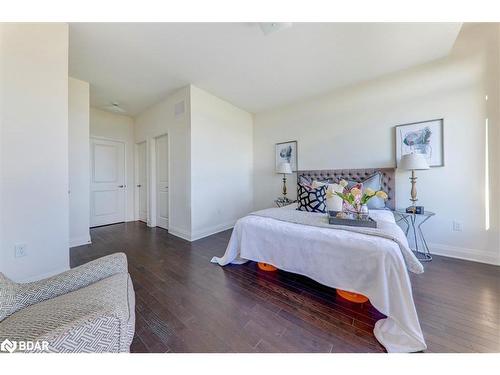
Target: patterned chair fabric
x=90, y=308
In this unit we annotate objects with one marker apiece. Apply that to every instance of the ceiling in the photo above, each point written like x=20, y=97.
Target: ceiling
x=138, y=64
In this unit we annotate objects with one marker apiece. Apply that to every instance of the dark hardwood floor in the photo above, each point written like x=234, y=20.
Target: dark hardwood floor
x=186, y=304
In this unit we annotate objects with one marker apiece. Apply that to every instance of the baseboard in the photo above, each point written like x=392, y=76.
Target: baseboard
x=179, y=233
x=212, y=230
x=79, y=241
x=200, y=233
x=474, y=255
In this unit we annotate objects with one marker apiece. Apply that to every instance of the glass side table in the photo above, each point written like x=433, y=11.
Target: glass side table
x=283, y=201
x=414, y=223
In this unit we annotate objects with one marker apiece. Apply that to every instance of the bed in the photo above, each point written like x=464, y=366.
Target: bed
x=374, y=265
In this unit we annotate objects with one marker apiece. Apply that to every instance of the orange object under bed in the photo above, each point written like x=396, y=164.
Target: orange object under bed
x=350, y=296
x=266, y=267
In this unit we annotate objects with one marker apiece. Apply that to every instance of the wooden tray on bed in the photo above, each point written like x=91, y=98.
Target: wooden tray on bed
x=366, y=223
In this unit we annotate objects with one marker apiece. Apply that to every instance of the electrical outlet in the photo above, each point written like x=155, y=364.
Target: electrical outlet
x=457, y=226
x=20, y=250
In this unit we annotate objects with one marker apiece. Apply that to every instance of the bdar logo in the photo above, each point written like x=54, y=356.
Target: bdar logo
x=8, y=346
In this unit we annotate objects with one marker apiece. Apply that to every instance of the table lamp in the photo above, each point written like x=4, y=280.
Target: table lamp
x=284, y=169
x=413, y=162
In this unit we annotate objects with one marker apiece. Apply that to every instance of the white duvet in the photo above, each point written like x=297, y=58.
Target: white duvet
x=366, y=264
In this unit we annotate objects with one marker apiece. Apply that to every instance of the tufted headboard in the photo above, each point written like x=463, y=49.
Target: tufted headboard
x=358, y=175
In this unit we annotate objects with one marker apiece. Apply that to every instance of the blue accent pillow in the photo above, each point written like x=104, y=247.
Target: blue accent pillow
x=373, y=182
x=311, y=199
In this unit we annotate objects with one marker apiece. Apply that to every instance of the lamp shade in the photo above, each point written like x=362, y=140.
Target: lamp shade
x=284, y=168
x=413, y=161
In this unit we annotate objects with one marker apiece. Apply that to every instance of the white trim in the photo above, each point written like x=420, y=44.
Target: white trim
x=154, y=172
x=136, y=182
x=79, y=241
x=179, y=233
x=151, y=167
x=169, y=171
x=201, y=233
x=474, y=255
x=212, y=230
x=136, y=174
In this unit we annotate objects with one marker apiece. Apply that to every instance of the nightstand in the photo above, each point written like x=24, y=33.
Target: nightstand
x=283, y=201
x=414, y=223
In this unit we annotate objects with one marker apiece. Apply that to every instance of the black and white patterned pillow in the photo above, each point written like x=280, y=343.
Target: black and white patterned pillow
x=311, y=199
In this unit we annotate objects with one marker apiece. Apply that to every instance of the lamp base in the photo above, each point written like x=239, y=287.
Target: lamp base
x=284, y=185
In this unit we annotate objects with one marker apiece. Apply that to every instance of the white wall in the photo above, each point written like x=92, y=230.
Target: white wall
x=3, y=254
x=221, y=163
x=34, y=149
x=486, y=38
x=78, y=147
x=354, y=128
x=119, y=128
x=158, y=120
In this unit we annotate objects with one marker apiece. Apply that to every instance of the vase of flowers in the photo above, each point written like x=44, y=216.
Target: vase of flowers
x=356, y=200
x=364, y=212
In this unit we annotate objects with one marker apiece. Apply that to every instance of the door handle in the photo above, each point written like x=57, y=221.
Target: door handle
x=139, y=185
x=121, y=186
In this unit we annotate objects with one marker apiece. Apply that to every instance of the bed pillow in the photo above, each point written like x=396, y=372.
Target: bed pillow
x=373, y=182
x=334, y=203
x=304, y=180
x=311, y=199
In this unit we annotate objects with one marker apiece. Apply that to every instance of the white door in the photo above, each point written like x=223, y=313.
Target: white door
x=141, y=184
x=107, y=182
x=162, y=182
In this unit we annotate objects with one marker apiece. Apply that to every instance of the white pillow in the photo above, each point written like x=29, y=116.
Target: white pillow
x=334, y=203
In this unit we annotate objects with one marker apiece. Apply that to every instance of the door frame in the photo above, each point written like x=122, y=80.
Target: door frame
x=125, y=174
x=152, y=186
x=151, y=179
x=136, y=177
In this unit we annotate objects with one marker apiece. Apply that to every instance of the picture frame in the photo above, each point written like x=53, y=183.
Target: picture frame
x=286, y=152
x=425, y=137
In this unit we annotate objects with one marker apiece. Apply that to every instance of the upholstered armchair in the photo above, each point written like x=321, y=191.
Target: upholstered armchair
x=90, y=308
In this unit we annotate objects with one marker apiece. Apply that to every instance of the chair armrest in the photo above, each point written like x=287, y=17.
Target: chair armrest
x=79, y=277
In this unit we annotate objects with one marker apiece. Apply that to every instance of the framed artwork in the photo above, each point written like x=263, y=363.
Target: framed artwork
x=424, y=137
x=286, y=152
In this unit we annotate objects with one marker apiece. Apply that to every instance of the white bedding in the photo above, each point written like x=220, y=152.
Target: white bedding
x=366, y=264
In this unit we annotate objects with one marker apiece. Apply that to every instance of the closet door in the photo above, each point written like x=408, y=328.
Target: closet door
x=107, y=182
